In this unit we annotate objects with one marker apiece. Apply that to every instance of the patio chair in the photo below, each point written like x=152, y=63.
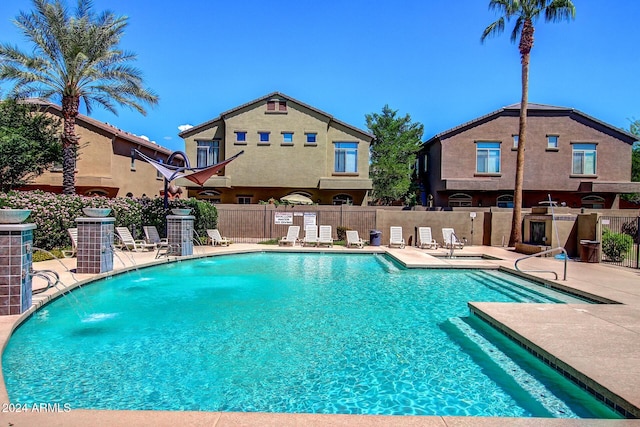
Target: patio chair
x=450, y=239
x=354, y=240
x=216, y=239
x=130, y=244
x=426, y=239
x=73, y=234
x=152, y=235
x=396, y=238
x=291, y=237
x=310, y=235
x=324, y=238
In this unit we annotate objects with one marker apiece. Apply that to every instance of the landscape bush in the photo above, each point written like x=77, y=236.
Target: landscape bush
x=615, y=245
x=53, y=214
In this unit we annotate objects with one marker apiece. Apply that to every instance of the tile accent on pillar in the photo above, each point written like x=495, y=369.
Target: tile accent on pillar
x=16, y=247
x=180, y=232
x=95, y=245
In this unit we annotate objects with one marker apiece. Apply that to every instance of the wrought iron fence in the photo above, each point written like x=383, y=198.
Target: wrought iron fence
x=620, y=240
x=256, y=224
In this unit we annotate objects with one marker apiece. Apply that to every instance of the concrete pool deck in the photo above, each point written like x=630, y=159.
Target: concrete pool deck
x=598, y=345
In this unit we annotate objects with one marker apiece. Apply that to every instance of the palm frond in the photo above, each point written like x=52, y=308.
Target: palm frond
x=560, y=10
x=496, y=28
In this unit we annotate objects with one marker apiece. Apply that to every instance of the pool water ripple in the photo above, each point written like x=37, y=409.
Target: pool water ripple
x=316, y=333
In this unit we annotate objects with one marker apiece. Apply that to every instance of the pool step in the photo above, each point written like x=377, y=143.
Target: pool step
x=537, y=292
x=518, y=291
x=526, y=381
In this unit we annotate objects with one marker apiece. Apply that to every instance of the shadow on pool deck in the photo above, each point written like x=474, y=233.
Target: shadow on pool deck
x=597, y=344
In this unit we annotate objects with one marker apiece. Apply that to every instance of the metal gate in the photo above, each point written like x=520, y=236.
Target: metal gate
x=620, y=238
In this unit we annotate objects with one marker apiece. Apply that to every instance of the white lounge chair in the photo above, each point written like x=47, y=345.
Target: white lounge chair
x=324, y=238
x=216, y=238
x=426, y=239
x=151, y=232
x=73, y=235
x=310, y=235
x=291, y=237
x=130, y=244
x=450, y=239
x=396, y=238
x=353, y=239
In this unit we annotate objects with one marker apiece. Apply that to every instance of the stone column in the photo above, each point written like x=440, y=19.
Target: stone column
x=95, y=245
x=180, y=234
x=16, y=247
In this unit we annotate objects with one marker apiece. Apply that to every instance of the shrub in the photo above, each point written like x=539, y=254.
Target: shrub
x=54, y=213
x=615, y=245
x=631, y=228
x=342, y=232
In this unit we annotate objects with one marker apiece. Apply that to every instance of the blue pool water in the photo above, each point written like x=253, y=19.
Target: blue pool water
x=319, y=333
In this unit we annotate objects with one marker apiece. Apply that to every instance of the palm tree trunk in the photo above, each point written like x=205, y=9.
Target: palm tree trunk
x=526, y=43
x=69, y=143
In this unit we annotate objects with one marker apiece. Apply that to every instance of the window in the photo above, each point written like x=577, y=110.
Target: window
x=346, y=157
x=516, y=139
x=505, y=201
x=241, y=136
x=593, y=202
x=488, y=157
x=287, y=137
x=459, y=199
x=342, y=199
x=264, y=136
x=552, y=142
x=158, y=174
x=208, y=152
x=276, y=105
x=311, y=137
x=244, y=200
x=133, y=159
x=584, y=159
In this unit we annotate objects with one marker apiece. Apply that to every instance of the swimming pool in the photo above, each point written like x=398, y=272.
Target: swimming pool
x=320, y=333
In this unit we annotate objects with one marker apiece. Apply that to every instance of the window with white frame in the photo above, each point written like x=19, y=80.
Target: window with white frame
x=487, y=157
x=552, y=142
x=244, y=200
x=342, y=199
x=346, y=157
x=158, y=174
x=311, y=137
x=241, y=136
x=592, y=202
x=504, y=201
x=263, y=137
x=207, y=152
x=516, y=139
x=287, y=137
x=584, y=159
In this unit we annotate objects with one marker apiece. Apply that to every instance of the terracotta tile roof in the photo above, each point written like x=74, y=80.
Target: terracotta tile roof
x=106, y=127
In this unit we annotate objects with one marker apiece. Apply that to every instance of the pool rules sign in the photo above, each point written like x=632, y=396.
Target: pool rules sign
x=283, y=218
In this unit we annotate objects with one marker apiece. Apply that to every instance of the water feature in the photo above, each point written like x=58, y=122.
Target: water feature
x=318, y=333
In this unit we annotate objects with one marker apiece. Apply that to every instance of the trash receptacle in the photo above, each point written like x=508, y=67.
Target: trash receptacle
x=375, y=237
x=589, y=251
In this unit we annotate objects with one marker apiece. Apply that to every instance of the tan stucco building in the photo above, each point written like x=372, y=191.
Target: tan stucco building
x=579, y=160
x=106, y=164
x=289, y=148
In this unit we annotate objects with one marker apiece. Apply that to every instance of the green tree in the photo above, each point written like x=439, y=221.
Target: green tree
x=29, y=143
x=634, y=128
x=393, y=153
x=74, y=56
x=525, y=12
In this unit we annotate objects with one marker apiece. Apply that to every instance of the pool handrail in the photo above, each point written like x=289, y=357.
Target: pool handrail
x=548, y=251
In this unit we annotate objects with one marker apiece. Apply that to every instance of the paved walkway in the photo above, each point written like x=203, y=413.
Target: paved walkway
x=596, y=344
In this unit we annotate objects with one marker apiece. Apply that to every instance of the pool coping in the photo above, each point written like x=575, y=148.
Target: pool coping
x=410, y=258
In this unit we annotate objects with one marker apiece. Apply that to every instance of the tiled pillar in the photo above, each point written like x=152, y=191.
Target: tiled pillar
x=16, y=243
x=180, y=232
x=95, y=245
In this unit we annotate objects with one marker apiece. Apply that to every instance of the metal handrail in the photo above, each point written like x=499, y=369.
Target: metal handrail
x=51, y=277
x=453, y=235
x=548, y=251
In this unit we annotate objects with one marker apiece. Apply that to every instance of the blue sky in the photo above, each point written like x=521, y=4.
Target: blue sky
x=351, y=57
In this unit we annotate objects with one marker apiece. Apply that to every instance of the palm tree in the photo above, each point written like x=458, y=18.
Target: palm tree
x=525, y=12
x=75, y=56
